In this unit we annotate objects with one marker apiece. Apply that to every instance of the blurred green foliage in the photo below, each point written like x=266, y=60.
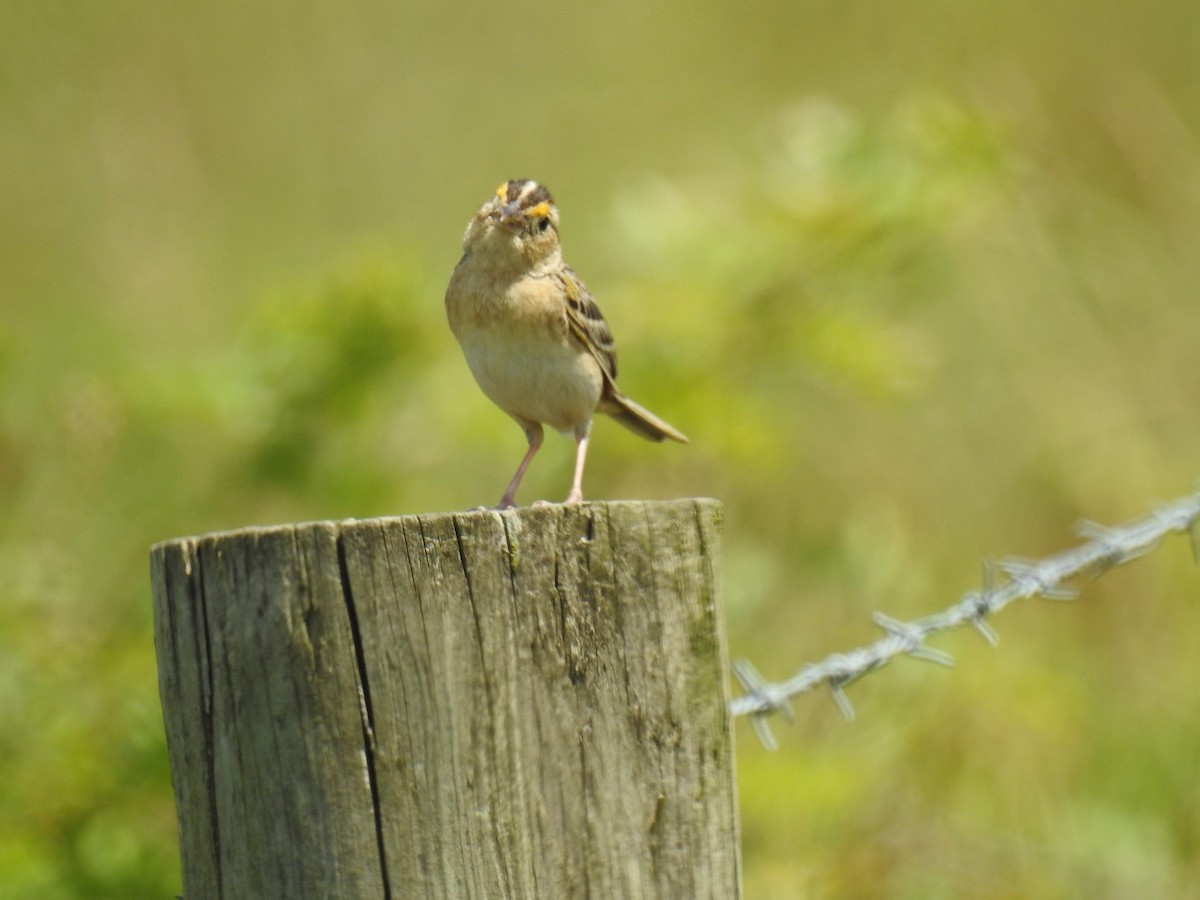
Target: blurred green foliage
x=917, y=299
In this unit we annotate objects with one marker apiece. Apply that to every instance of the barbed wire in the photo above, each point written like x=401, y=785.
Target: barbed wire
x=1048, y=578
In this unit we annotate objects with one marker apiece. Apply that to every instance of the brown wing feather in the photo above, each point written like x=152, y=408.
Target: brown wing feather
x=587, y=323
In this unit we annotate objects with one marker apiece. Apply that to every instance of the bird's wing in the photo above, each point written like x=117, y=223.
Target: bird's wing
x=587, y=324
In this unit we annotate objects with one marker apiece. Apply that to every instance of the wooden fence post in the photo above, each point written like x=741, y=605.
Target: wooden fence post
x=523, y=704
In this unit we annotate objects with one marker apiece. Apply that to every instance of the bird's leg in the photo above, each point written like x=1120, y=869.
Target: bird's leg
x=581, y=443
x=533, y=434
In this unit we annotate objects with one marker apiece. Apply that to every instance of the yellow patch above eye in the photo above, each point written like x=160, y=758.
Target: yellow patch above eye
x=502, y=191
x=542, y=209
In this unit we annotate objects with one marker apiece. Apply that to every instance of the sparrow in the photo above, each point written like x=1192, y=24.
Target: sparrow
x=531, y=332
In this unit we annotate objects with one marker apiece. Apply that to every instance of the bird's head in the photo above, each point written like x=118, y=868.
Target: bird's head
x=517, y=227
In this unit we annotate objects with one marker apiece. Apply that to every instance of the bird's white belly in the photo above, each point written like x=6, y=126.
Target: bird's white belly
x=536, y=379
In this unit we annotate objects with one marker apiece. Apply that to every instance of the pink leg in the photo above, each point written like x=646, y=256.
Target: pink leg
x=533, y=434
x=581, y=443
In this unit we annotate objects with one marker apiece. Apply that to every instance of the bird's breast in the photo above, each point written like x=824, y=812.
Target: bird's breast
x=519, y=348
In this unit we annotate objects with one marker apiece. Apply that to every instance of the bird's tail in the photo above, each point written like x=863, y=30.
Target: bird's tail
x=638, y=419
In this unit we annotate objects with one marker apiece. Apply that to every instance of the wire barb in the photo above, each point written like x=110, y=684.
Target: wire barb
x=838, y=693
x=913, y=640
x=770, y=700
x=1104, y=548
x=1037, y=579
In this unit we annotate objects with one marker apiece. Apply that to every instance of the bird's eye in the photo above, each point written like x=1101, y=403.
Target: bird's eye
x=543, y=224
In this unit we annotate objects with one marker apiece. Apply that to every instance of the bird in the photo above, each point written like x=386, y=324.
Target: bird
x=532, y=334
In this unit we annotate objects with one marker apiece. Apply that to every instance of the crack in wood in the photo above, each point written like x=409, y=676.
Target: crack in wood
x=368, y=713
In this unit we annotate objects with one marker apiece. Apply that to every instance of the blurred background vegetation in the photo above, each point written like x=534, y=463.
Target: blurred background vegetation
x=918, y=281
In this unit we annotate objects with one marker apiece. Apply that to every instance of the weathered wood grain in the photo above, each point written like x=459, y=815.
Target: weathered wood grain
x=474, y=705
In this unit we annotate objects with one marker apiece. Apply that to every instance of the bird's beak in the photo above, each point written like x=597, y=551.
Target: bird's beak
x=511, y=217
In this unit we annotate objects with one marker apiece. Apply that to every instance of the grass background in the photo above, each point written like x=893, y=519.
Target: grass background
x=918, y=282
